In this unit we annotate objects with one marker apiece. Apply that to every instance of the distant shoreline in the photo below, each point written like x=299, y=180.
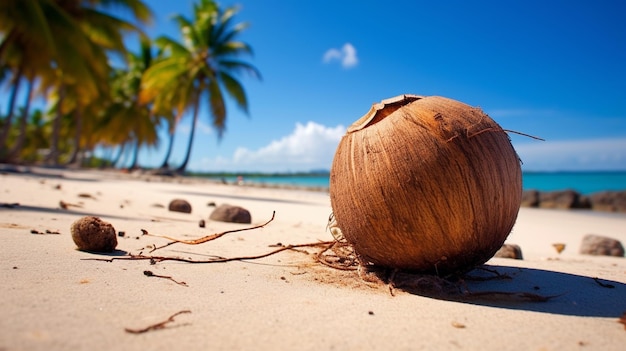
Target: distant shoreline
x=566, y=197
x=584, y=182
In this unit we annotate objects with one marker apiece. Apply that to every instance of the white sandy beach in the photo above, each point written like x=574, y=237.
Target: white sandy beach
x=53, y=299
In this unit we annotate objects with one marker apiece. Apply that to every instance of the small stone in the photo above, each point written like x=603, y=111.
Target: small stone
x=559, y=247
x=612, y=201
x=93, y=234
x=530, y=198
x=510, y=251
x=601, y=245
x=202, y=223
x=564, y=199
x=229, y=213
x=180, y=205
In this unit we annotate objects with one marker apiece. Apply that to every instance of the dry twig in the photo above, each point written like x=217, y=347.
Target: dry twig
x=622, y=320
x=150, y=274
x=155, y=259
x=66, y=205
x=156, y=326
x=604, y=285
x=205, y=238
x=504, y=296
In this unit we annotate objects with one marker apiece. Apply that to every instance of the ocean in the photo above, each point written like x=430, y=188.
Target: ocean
x=582, y=182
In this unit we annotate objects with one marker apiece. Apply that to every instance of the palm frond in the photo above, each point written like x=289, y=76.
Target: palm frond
x=217, y=107
x=235, y=90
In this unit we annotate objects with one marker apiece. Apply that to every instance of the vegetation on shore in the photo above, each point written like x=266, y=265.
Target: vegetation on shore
x=64, y=53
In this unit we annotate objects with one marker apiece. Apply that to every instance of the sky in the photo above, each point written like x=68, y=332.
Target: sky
x=552, y=69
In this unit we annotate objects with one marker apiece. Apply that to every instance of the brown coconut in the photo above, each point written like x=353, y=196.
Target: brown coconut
x=427, y=184
x=93, y=234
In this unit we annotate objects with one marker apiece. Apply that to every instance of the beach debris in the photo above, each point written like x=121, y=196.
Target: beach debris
x=86, y=196
x=205, y=238
x=121, y=234
x=157, y=205
x=231, y=214
x=443, y=205
x=66, y=205
x=530, y=198
x=9, y=205
x=157, y=326
x=601, y=246
x=48, y=231
x=559, y=247
x=215, y=259
x=180, y=205
x=202, y=223
x=622, y=320
x=510, y=251
x=612, y=201
x=608, y=201
x=604, y=285
x=211, y=204
x=458, y=325
x=151, y=274
x=495, y=275
x=564, y=199
x=341, y=256
x=93, y=234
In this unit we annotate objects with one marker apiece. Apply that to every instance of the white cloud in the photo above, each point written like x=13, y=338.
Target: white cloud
x=312, y=146
x=346, y=55
x=586, y=154
x=309, y=146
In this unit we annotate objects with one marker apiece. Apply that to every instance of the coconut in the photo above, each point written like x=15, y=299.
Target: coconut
x=93, y=234
x=426, y=184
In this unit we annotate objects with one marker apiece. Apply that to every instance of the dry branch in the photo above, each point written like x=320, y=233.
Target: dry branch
x=604, y=285
x=205, y=238
x=150, y=274
x=156, y=326
x=155, y=259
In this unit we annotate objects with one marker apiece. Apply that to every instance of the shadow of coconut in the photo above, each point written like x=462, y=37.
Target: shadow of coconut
x=114, y=253
x=524, y=289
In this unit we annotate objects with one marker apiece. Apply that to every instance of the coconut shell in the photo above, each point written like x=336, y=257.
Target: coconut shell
x=427, y=184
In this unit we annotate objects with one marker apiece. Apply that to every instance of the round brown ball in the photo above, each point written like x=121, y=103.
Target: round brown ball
x=426, y=184
x=180, y=205
x=93, y=234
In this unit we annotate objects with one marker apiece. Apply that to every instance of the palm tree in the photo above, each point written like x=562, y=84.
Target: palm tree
x=21, y=136
x=23, y=50
x=29, y=46
x=125, y=118
x=77, y=52
x=200, y=68
x=101, y=33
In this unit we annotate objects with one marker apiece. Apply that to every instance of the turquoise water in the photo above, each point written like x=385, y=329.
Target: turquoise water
x=583, y=182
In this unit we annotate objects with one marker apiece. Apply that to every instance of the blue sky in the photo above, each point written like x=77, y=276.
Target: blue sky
x=553, y=69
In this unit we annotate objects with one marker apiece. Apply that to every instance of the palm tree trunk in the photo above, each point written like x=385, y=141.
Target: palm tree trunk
x=8, y=40
x=53, y=156
x=183, y=166
x=133, y=164
x=16, y=150
x=8, y=121
x=120, y=152
x=170, y=146
x=78, y=118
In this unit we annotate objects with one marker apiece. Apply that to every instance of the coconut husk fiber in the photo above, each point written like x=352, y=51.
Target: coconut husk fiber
x=426, y=184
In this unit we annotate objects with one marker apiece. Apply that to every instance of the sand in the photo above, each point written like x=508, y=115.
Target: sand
x=55, y=299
